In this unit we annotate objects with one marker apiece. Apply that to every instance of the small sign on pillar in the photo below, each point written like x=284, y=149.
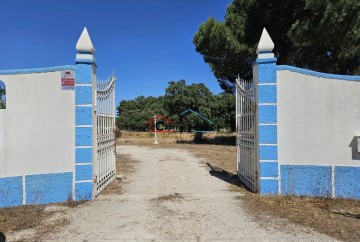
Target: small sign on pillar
x=67, y=80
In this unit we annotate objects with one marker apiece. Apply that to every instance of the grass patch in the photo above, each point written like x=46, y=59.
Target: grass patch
x=147, y=138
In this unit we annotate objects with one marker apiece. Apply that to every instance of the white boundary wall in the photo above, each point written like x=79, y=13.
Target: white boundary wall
x=308, y=128
x=37, y=130
x=48, y=132
x=318, y=119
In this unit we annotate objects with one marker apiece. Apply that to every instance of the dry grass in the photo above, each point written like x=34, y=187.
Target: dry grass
x=33, y=217
x=48, y=228
x=147, y=138
x=170, y=197
x=338, y=218
x=333, y=217
x=124, y=167
x=23, y=217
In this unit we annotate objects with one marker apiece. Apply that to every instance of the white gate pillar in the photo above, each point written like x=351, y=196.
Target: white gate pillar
x=85, y=118
x=264, y=72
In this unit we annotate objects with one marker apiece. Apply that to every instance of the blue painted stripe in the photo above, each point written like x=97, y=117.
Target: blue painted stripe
x=267, y=114
x=48, y=188
x=267, y=93
x=305, y=180
x=83, y=172
x=83, y=136
x=37, y=70
x=84, y=74
x=269, y=187
x=265, y=52
x=83, y=115
x=90, y=61
x=269, y=169
x=83, y=191
x=83, y=95
x=266, y=60
x=268, y=152
x=267, y=72
x=83, y=155
x=347, y=182
x=11, y=191
x=268, y=134
x=318, y=74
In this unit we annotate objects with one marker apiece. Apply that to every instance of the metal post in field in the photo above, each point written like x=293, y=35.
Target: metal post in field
x=155, y=131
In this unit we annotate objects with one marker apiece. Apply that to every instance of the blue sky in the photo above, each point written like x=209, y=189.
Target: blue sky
x=146, y=42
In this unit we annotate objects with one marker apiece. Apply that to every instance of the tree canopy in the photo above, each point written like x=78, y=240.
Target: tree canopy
x=322, y=35
x=179, y=97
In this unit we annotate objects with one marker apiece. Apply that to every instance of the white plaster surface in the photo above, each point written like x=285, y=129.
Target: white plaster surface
x=318, y=119
x=37, y=129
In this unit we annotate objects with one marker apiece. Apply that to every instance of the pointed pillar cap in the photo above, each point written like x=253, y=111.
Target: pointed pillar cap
x=84, y=43
x=265, y=44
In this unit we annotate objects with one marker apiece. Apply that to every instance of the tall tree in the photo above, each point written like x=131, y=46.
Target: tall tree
x=321, y=35
x=180, y=97
x=133, y=114
x=326, y=36
x=223, y=111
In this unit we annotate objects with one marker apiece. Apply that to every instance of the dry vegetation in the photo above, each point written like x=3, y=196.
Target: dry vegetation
x=338, y=218
x=124, y=167
x=34, y=219
x=170, y=197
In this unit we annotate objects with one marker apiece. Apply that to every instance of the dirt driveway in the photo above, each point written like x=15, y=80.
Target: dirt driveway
x=171, y=196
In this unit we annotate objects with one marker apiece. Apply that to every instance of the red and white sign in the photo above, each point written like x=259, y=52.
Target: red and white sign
x=67, y=80
x=159, y=124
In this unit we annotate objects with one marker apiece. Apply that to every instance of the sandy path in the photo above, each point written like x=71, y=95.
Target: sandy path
x=171, y=196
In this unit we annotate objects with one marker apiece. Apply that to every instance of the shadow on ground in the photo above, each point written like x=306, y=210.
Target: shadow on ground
x=226, y=176
x=218, y=140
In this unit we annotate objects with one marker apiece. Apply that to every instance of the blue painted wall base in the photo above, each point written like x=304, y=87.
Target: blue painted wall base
x=83, y=191
x=48, y=188
x=306, y=180
x=11, y=191
x=269, y=187
x=347, y=182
